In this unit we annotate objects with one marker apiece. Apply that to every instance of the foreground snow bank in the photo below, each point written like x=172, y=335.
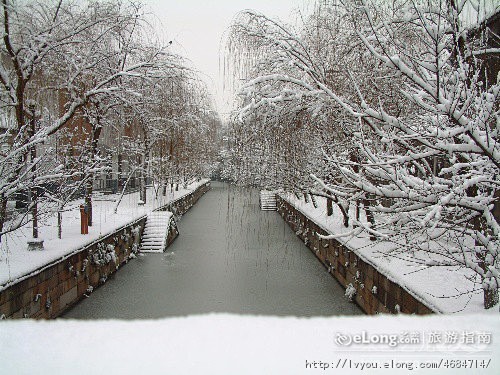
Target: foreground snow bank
x=231, y=344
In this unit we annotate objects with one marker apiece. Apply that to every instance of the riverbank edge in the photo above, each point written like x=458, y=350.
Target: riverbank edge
x=373, y=291
x=47, y=292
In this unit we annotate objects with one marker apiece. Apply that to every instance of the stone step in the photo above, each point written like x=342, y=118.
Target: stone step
x=155, y=233
x=152, y=250
x=154, y=230
x=152, y=243
x=267, y=200
x=153, y=246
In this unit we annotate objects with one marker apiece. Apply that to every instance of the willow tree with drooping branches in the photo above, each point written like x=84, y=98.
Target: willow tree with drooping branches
x=405, y=115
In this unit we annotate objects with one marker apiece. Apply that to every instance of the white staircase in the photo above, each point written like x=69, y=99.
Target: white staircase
x=267, y=200
x=154, y=238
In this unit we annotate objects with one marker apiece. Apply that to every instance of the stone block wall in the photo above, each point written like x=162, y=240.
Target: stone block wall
x=375, y=292
x=181, y=205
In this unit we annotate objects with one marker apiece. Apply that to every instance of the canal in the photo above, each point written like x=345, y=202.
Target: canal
x=230, y=257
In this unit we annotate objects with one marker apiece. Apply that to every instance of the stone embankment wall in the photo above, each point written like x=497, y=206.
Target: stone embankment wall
x=374, y=292
x=182, y=205
x=49, y=291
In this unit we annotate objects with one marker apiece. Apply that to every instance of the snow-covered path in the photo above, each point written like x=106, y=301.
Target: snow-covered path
x=229, y=257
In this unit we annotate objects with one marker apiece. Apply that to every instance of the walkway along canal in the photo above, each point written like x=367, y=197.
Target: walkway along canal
x=230, y=257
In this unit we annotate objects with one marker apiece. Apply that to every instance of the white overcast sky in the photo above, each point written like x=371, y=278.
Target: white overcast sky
x=197, y=26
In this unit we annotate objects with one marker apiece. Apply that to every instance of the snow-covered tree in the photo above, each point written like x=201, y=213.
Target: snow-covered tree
x=415, y=132
x=75, y=54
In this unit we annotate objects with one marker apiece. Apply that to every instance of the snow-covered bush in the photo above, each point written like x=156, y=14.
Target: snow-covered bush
x=135, y=249
x=350, y=292
x=88, y=291
x=136, y=232
x=103, y=254
x=84, y=264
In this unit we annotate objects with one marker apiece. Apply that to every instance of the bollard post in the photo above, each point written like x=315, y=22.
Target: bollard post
x=84, y=227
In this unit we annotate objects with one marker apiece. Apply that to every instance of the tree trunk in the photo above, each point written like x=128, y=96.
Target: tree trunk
x=3, y=213
x=491, y=297
x=357, y=210
x=34, y=214
x=369, y=217
x=490, y=285
x=33, y=191
x=145, y=162
x=142, y=189
x=123, y=191
x=59, y=224
x=313, y=200
x=329, y=206
x=89, y=185
x=342, y=210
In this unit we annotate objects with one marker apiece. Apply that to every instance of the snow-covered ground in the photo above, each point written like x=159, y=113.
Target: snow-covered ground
x=17, y=262
x=238, y=344
x=444, y=289
x=231, y=344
